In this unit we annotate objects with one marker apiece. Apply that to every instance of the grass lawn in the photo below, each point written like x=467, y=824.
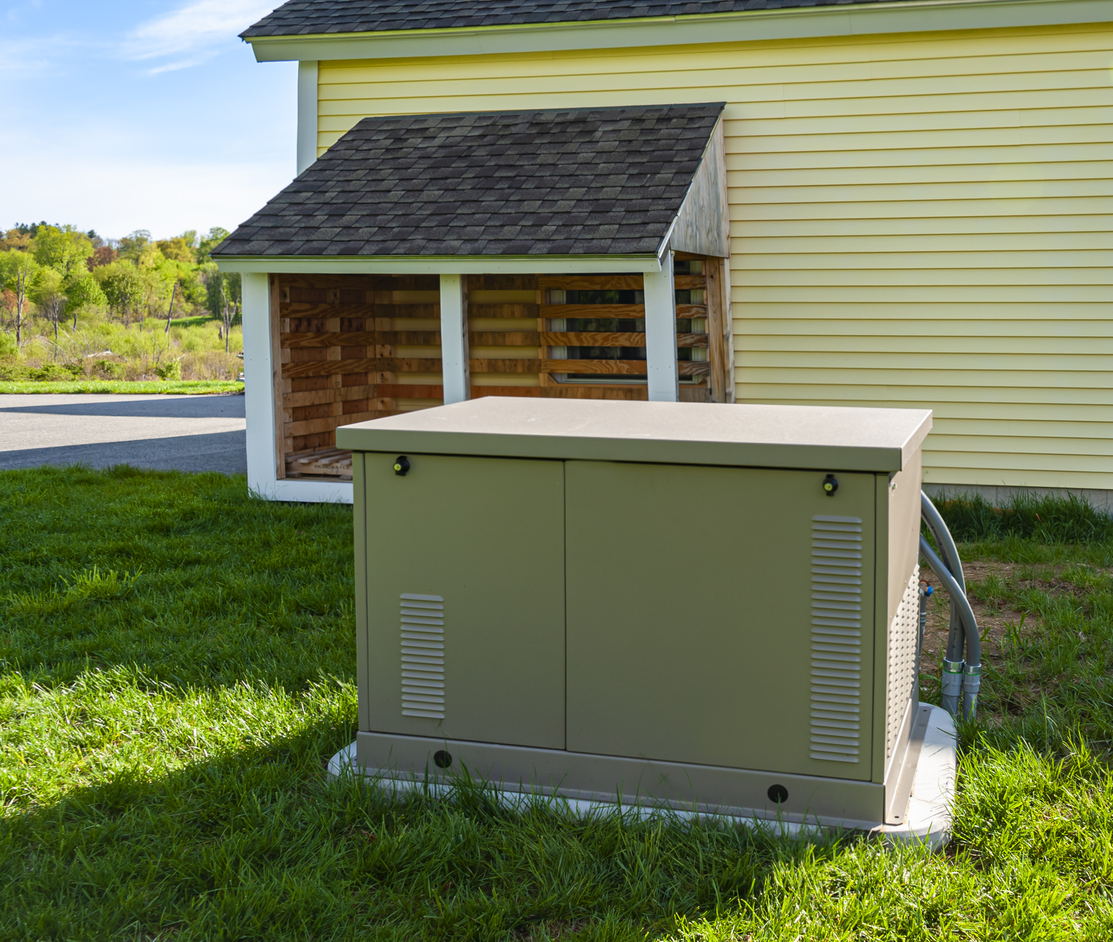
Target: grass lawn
x=177, y=387
x=177, y=663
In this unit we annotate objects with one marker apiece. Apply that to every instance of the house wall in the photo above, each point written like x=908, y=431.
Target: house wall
x=916, y=220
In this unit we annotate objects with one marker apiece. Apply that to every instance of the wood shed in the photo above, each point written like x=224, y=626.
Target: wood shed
x=421, y=260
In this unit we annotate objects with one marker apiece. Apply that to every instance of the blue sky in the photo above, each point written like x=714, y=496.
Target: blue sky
x=118, y=115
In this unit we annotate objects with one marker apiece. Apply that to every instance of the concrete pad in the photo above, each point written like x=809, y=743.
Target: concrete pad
x=927, y=822
x=185, y=433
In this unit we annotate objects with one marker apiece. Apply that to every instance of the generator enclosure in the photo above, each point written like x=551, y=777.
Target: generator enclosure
x=710, y=607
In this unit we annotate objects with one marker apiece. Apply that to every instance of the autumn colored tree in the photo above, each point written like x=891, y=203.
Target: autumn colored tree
x=105, y=255
x=15, y=239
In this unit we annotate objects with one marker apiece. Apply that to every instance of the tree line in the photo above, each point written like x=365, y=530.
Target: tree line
x=60, y=273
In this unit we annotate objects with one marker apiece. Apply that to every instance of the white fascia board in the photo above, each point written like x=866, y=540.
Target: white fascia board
x=444, y=265
x=749, y=26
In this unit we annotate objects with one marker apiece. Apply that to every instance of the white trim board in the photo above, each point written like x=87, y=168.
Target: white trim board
x=307, y=115
x=258, y=369
x=749, y=26
x=441, y=265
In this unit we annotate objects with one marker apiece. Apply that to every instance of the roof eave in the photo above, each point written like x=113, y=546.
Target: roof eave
x=438, y=264
x=747, y=26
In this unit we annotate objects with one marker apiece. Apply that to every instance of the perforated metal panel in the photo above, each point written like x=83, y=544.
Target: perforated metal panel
x=903, y=634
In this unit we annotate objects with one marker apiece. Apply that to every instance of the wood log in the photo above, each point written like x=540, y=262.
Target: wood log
x=491, y=309
x=615, y=367
x=593, y=310
x=591, y=339
x=591, y=282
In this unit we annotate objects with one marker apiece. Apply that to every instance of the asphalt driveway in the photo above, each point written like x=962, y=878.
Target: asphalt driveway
x=187, y=433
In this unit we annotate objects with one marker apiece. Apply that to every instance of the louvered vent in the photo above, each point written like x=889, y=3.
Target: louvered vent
x=836, y=638
x=903, y=634
x=423, y=656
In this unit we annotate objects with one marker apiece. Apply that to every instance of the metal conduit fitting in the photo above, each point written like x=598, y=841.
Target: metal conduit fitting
x=962, y=667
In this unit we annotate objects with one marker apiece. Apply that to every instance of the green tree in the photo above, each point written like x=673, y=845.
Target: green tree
x=82, y=293
x=48, y=291
x=64, y=249
x=122, y=286
x=17, y=270
x=159, y=276
x=224, y=290
x=181, y=248
x=132, y=245
x=209, y=242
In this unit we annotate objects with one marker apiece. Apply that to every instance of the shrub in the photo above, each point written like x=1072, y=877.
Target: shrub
x=8, y=348
x=1048, y=519
x=50, y=372
x=109, y=369
x=171, y=370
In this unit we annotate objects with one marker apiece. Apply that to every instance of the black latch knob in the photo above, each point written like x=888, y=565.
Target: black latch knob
x=830, y=485
x=401, y=465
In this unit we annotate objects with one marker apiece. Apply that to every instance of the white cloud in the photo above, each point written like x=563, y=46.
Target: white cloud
x=116, y=196
x=197, y=27
x=33, y=56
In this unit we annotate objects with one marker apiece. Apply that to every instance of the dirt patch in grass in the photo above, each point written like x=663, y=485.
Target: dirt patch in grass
x=995, y=615
x=1024, y=614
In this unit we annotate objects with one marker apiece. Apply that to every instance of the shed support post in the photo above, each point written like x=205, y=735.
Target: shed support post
x=660, y=333
x=259, y=371
x=455, y=374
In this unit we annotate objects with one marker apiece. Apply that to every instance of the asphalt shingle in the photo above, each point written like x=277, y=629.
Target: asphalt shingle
x=321, y=17
x=476, y=184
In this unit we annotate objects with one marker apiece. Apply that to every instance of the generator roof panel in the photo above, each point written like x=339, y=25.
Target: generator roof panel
x=605, y=181
x=803, y=437
x=319, y=17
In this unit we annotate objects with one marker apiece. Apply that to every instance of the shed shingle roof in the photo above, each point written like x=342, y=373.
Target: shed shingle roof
x=311, y=17
x=605, y=181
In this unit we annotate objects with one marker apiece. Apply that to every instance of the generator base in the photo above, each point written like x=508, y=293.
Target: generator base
x=926, y=822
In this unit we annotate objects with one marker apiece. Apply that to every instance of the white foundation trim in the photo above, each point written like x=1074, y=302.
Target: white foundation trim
x=306, y=492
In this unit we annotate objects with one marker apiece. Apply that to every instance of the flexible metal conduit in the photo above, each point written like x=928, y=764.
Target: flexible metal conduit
x=962, y=666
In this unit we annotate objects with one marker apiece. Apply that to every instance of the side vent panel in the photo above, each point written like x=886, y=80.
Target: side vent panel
x=423, y=656
x=903, y=635
x=836, y=639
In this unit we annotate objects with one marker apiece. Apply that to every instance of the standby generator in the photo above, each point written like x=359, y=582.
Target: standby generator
x=713, y=608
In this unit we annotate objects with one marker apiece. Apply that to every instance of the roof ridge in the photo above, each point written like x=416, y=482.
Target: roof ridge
x=322, y=17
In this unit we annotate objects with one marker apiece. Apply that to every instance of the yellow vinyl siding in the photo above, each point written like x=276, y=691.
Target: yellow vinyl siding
x=921, y=220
